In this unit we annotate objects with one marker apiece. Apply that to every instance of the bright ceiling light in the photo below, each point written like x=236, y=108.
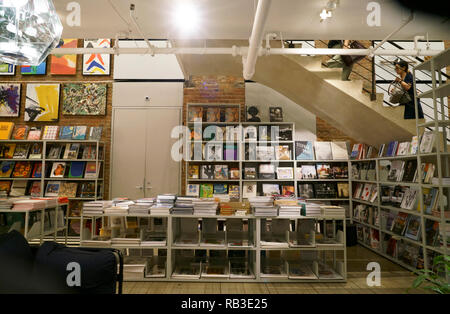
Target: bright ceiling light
x=29, y=30
x=186, y=17
x=325, y=14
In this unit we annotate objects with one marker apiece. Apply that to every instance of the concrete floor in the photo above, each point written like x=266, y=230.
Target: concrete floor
x=394, y=279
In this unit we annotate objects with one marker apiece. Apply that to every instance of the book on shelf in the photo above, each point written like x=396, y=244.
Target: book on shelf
x=95, y=133
x=22, y=169
x=234, y=191
x=18, y=188
x=231, y=114
x=427, y=142
x=89, y=151
x=325, y=190
x=58, y=170
x=308, y=172
x=221, y=172
x=324, y=171
x=287, y=190
x=7, y=150
x=37, y=170
x=267, y=171
x=364, y=168
x=66, y=132
x=91, y=170
x=412, y=230
x=71, y=151
x=356, y=151
x=6, y=168
x=283, y=152
x=52, y=188
x=195, y=114
x=250, y=133
x=50, y=132
x=284, y=133
x=285, y=173
x=249, y=189
x=430, y=198
x=21, y=151
x=431, y=232
x=230, y=152
x=76, y=169
x=343, y=190
x=6, y=129
x=20, y=132
x=207, y=172
x=35, y=151
x=213, y=114
x=193, y=172
x=193, y=190
x=79, y=132
x=414, y=145
x=265, y=153
x=220, y=189
x=371, y=172
x=206, y=190
x=5, y=188
x=54, y=151
x=339, y=150
x=381, y=150
x=358, y=190
x=392, y=149
x=214, y=152
x=396, y=170
x=68, y=189
x=234, y=173
x=35, y=190
x=384, y=171
x=403, y=149
x=399, y=224
x=304, y=150
x=250, y=173
x=87, y=190
x=306, y=190
x=323, y=150
x=264, y=133
x=276, y=114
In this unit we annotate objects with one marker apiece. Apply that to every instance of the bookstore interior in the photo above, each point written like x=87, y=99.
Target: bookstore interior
x=240, y=144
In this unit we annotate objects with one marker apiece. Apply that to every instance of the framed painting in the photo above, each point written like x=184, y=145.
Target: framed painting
x=9, y=100
x=84, y=99
x=96, y=64
x=40, y=69
x=7, y=69
x=64, y=64
x=42, y=102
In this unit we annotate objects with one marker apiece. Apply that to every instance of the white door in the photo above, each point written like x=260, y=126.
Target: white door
x=162, y=171
x=128, y=153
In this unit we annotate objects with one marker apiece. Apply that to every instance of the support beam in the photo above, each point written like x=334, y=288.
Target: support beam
x=262, y=11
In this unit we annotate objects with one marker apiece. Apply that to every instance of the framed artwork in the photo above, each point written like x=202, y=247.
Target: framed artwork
x=42, y=102
x=64, y=64
x=40, y=69
x=9, y=100
x=7, y=69
x=84, y=99
x=96, y=64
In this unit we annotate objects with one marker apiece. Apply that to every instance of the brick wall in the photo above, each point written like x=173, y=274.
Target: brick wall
x=89, y=121
x=212, y=89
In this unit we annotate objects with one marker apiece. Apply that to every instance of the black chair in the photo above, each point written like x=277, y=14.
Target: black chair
x=44, y=269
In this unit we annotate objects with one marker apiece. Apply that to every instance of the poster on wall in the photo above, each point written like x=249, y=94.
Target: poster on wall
x=84, y=99
x=42, y=102
x=64, y=64
x=7, y=69
x=96, y=64
x=40, y=69
x=9, y=100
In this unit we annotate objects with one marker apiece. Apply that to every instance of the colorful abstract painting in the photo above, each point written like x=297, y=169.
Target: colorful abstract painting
x=7, y=69
x=96, y=64
x=42, y=102
x=64, y=64
x=40, y=69
x=84, y=99
x=9, y=100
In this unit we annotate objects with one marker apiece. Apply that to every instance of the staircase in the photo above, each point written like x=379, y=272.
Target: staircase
x=320, y=90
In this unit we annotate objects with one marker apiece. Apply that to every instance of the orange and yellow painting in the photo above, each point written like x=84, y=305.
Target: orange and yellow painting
x=64, y=64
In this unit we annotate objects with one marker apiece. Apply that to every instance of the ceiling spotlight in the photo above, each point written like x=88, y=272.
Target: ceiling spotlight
x=324, y=15
x=29, y=30
x=186, y=17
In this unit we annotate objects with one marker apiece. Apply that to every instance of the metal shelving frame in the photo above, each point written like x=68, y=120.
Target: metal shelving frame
x=257, y=247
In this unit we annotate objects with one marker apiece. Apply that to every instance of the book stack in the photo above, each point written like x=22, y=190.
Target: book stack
x=287, y=206
x=118, y=209
x=28, y=204
x=99, y=242
x=164, y=203
x=332, y=211
x=5, y=204
x=445, y=181
x=263, y=206
x=226, y=209
x=95, y=207
x=141, y=206
x=49, y=201
x=205, y=207
x=134, y=268
x=312, y=210
x=184, y=205
x=126, y=241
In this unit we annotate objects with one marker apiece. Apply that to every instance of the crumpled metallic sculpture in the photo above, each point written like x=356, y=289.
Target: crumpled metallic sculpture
x=29, y=30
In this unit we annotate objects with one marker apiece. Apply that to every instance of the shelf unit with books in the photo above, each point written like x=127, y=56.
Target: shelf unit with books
x=326, y=253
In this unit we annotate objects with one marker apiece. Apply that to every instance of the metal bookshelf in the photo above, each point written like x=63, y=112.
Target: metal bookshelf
x=334, y=255
x=439, y=125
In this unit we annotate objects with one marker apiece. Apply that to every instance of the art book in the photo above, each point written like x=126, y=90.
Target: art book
x=79, y=132
x=195, y=114
x=58, y=170
x=50, y=132
x=234, y=173
x=206, y=190
x=285, y=173
x=324, y=171
x=76, y=169
x=95, y=133
x=66, y=133
x=193, y=172
x=22, y=169
x=35, y=133
x=283, y=152
x=6, y=168
x=339, y=150
x=220, y=189
x=213, y=114
x=91, y=171
x=89, y=152
x=35, y=189
x=221, y=172
x=207, y=172
x=71, y=151
x=276, y=114
x=36, y=151
x=230, y=152
x=249, y=189
x=193, y=190
x=231, y=114
x=265, y=153
x=308, y=172
x=271, y=189
x=54, y=151
x=21, y=151
x=68, y=189
x=52, y=188
x=5, y=186
x=6, y=129
x=306, y=190
x=288, y=190
x=20, y=132
x=37, y=170
x=323, y=151
x=7, y=150
x=233, y=191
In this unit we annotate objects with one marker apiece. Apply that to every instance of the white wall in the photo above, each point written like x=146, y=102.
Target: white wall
x=264, y=97
x=146, y=67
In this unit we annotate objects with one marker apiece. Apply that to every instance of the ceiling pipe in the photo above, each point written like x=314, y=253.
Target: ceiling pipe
x=242, y=51
x=410, y=18
x=135, y=23
x=249, y=61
